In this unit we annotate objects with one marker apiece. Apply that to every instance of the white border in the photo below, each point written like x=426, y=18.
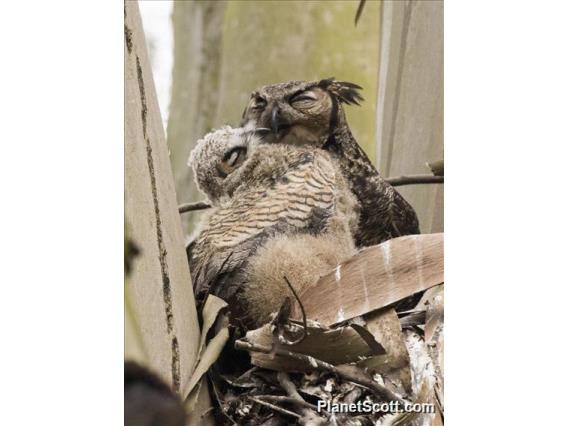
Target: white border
x=506, y=92
x=61, y=174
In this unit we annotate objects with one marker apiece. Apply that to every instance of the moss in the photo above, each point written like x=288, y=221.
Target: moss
x=268, y=42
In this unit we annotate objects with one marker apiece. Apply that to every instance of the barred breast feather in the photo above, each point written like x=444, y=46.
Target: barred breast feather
x=297, y=191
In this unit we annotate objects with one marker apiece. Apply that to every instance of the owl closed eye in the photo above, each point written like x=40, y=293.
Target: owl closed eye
x=298, y=113
x=232, y=160
x=218, y=155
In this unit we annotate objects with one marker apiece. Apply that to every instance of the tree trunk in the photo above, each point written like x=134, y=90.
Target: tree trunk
x=198, y=31
x=410, y=107
x=159, y=291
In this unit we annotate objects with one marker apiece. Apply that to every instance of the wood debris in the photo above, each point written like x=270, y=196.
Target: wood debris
x=356, y=350
x=376, y=277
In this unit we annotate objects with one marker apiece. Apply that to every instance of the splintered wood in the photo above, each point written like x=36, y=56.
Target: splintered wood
x=357, y=346
x=376, y=277
x=338, y=346
x=385, y=327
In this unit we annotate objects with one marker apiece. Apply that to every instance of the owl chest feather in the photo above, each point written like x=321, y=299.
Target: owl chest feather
x=291, y=202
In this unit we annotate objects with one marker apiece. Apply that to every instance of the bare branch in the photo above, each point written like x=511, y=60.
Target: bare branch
x=274, y=407
x=288, y=385
x=359, y=11
x=288, y=399
x=190, y=207
x=414, y=179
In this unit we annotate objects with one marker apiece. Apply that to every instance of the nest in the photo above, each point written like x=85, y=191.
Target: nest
x=364, y=346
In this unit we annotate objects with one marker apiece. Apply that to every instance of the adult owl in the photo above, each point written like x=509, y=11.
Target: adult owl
x=310, y=113
x=277, y=210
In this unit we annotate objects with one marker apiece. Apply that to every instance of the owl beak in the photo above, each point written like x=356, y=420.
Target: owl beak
x=277, y=123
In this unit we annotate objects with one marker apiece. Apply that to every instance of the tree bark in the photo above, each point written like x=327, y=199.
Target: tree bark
x=410, y=108
x=159, y=289
x=198, y=31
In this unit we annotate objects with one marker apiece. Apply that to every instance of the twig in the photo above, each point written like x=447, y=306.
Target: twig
x=288, y=385
x=354, y=374
x=291, y=390
x=414, y=179
x=359, y=11
x=190, y=207
x=304, y=318
x=288, y=399
x=221, y=403
x=275, y=407
x=413, y=318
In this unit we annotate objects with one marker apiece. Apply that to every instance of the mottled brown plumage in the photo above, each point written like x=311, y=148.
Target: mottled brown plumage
x=275, y=192
x=310, y=113
x=302, y=258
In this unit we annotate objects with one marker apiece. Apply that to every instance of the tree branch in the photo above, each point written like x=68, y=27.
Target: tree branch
x=359, y=11
x=190, y=207
x=414, y=179
x=274, y=407
x=288, y=399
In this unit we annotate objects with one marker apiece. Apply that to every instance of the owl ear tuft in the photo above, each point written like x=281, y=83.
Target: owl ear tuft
x=345, y=91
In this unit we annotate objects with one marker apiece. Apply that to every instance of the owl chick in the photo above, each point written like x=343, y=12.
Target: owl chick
x=310, y=113
x=217, y=155
x=278, y=205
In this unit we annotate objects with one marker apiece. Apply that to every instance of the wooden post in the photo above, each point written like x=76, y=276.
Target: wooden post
x=159, y=290
x=410, y=102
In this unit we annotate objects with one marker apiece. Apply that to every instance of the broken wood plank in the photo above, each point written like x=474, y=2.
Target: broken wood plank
x=374, y=278
x=337, y=346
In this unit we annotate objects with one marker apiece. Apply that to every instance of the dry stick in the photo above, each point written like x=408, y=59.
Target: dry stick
x=288, y=399
x=413, y=319
x=359, y=11
x=414, y=179
x=360, y=378
x=291, y=390
x=221, y=403
x=304, y=318
x=190, y=207
x=288, y=386
x=274, y=407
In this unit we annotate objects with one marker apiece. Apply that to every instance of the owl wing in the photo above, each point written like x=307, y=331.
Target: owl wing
x=385, y=214
x=300, y=201
x=405, y=221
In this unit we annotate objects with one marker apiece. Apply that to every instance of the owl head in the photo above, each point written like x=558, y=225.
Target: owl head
x=301, y=112
x=219, y=154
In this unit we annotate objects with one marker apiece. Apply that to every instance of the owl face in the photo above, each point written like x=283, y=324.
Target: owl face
x=300, y=112
x=219, y=154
